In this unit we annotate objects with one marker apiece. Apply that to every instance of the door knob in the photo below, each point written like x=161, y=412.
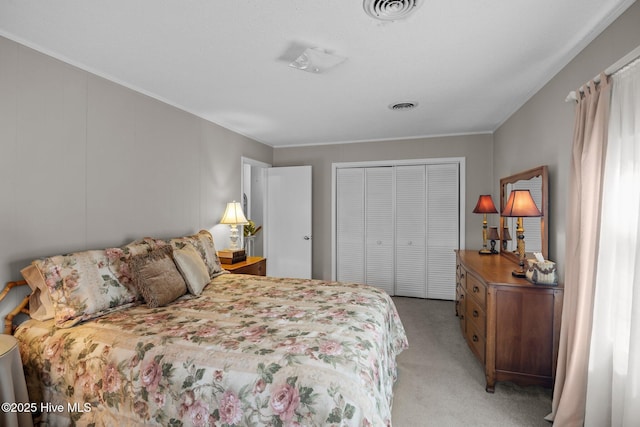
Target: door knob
x=307, y=237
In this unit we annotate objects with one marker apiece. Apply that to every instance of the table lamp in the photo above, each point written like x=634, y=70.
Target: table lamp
x=493, y=237
x=233, y=216
x=506, y=237
x=520, y=204
x=485, y=206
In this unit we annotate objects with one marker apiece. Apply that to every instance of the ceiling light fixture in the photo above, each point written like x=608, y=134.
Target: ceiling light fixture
x=390, y=10
x=316, y=60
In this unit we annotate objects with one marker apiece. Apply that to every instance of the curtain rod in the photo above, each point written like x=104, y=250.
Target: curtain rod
x=617, y=66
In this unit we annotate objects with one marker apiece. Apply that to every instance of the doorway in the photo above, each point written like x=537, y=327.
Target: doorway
x=253, y=198
x=286, y=241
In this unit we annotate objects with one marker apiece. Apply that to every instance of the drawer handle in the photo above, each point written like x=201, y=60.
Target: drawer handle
x=462, y=317
x=476, y=289
x=461, y=297
x=475, y=313
x=475, y=338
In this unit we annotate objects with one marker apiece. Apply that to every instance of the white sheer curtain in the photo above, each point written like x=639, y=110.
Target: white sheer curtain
x=613, y=385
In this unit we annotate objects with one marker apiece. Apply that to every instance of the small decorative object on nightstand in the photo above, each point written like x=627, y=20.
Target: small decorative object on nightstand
x=253, y=265
x=13, y=389
x=250, y=232
x=229, y=256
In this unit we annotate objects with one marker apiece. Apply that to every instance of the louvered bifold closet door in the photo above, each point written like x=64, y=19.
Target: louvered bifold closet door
x=411, y=231
x=442, y=229
x=379, y=249
x=350, y=238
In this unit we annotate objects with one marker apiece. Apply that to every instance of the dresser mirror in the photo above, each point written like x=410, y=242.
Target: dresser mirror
x=535, y=228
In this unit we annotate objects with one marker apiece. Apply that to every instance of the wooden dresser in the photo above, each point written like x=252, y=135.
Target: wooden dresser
x=252, y=265
x=510, y=324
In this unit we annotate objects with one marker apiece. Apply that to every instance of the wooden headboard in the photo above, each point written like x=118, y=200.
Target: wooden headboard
x=23, y=307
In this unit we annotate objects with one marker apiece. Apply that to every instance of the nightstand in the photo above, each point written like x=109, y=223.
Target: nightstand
x=252, y=265
x=16, y=409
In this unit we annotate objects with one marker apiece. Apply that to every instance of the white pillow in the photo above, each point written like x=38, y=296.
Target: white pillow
x=192, y=267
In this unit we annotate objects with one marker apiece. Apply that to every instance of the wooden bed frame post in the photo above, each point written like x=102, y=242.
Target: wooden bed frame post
x=20, y=308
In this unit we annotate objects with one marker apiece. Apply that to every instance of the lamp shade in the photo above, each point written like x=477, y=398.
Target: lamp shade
x=493, y=233
x=505, y=233
x=233, y=215
x=520, y=204
x=485, y=205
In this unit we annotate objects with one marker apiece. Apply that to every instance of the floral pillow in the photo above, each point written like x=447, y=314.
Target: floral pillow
x=203, y=243
x=120, y=259
x=83, y=286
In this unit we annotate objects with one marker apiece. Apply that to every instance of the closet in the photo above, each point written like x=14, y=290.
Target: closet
x=396, y=226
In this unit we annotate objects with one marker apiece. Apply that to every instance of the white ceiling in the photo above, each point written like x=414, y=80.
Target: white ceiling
x=469, y=64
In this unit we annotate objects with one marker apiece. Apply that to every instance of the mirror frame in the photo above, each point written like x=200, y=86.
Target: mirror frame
x=544, y=234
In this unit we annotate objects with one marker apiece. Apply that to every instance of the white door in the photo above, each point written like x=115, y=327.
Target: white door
x=288, y=222
x=443, y=231
x=397, y=226
x=411, y=276
x=350, y=231
x=379, y=248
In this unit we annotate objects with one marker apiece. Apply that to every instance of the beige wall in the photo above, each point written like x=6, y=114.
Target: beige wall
x=86, y=163
x=541, y=131
x=476, y=149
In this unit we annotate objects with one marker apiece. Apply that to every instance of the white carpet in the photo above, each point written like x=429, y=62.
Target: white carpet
x=441, y=383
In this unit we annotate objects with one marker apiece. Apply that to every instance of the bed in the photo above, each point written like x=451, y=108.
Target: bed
x=246, y=350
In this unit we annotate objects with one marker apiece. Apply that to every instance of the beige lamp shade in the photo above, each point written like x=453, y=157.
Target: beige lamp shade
x=521, y=204
x=233, y=215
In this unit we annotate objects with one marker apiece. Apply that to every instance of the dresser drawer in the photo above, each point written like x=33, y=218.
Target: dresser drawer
x=461, y=276
x=476, y=341
x=460, y=306
x=477, y=289
x=476, y=314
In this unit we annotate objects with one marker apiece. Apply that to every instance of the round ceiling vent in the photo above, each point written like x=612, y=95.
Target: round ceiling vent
x=403, y=106
x=389, y=10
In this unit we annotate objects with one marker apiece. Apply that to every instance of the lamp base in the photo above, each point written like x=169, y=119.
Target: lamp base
x=519, y=273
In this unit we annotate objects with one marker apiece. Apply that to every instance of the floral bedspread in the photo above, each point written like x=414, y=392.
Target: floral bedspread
x=248, y=351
